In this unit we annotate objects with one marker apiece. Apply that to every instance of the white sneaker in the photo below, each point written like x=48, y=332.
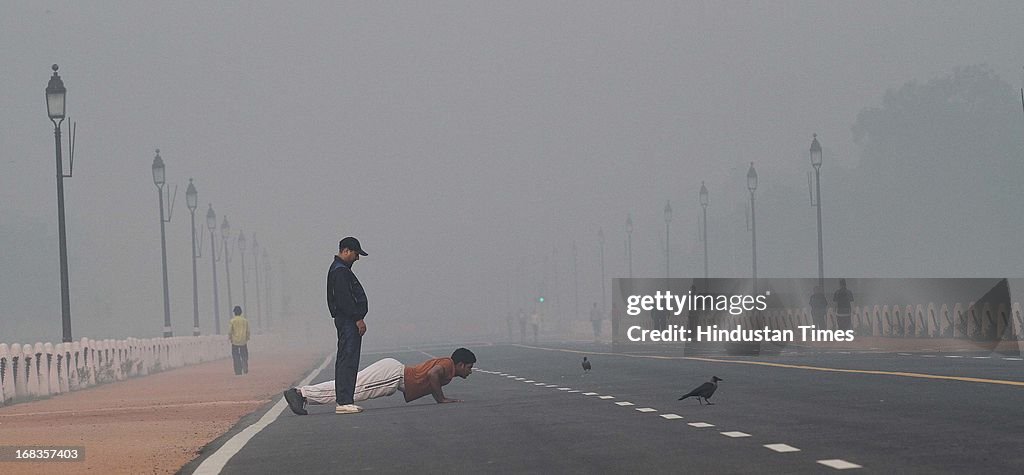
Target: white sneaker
x=348, y=409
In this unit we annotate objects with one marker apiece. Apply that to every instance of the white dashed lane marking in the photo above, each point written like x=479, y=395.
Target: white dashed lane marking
x=782, y=448
x=838, y=464
x=735, y=434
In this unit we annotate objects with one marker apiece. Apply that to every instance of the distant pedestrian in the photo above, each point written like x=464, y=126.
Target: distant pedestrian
x=819, y=307
x=347, y=303
x=693, y=315
x=508, y=323
x=238, y=333
x=535, y=324
x=842, y=299
x=596, y=320
x=522, y=326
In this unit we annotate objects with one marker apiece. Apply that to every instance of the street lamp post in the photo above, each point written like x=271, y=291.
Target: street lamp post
x=575, y=282
x=600, y=239
x=55, y=108
x=241, y=248
x=256, y=266
x=225, y=231
x=266, y=283
x=629, y=243
x=192, y=201
x=704, y=230
x=752, y=185
x=668, y=219
x=816, y=163
x=159, y=179
x=211, y=224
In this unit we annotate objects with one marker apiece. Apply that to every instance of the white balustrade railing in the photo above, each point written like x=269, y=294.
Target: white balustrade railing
x=970, y=321
x=30, y=371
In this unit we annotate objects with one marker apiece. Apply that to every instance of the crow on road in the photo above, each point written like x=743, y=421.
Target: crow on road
x=705, y=390
x=586, y=365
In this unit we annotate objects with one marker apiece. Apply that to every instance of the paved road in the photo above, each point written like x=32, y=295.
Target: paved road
x=624, y=416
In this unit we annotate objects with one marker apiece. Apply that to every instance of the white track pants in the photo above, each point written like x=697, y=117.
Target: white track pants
x=380, y=379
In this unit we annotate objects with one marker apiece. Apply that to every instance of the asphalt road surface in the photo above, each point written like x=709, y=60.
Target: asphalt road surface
x=530, y=409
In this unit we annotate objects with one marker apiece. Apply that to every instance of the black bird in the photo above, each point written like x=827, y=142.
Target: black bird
x=586, y=365
x=705, y=390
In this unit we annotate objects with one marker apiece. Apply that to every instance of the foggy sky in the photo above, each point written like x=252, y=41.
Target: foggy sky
x=468, y=145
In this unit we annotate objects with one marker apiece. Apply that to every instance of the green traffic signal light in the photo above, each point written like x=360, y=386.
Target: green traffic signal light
x=540, y=299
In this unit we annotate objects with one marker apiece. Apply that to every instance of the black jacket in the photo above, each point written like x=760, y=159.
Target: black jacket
x=345, y=295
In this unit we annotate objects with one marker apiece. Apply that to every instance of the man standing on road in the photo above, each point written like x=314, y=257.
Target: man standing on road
x=388, y=375
x=238, y=332
x=595, y=321
x=347, y=303
x=842, y=298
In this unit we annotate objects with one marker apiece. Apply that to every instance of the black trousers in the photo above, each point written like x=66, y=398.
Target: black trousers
x=347, y=366
x=240, y=355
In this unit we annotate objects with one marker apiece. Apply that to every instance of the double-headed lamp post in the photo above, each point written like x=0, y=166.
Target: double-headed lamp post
x=704, y=230
x=241, y=249
x=55, y=104
x=256, y=267
x=752, y=186
x=629, y=243
x=668, y=219
x=816, y=163
x=225, y=231
x=192, y=200
x=211, y=224
x=159, y=180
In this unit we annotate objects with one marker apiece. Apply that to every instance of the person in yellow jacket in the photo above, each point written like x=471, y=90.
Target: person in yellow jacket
x=239, y=334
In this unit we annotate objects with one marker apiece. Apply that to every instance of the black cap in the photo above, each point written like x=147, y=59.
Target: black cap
x=351, y=243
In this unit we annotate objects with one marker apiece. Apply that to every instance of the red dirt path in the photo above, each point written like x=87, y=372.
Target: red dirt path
x=151, y=424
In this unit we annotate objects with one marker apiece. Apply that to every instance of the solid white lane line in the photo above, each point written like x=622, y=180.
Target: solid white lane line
x=646, y=409
x=782, y=448
x=216, y=461
x=701, y=424
x=735, y=433
x=838, y=464
x=671, y=416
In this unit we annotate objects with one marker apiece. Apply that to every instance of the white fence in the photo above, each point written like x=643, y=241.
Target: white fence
x=30, y=371
x=984, y=322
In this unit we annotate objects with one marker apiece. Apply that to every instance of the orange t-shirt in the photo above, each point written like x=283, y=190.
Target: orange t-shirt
x=417, y=381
